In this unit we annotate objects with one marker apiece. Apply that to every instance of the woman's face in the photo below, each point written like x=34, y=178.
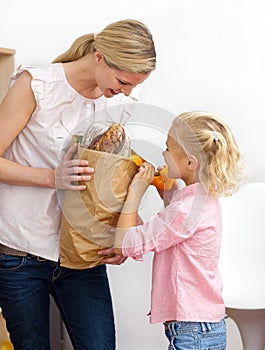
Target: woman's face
x=113, y=81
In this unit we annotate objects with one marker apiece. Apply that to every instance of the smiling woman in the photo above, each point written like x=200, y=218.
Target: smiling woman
x=37, y=118
x=118, y=66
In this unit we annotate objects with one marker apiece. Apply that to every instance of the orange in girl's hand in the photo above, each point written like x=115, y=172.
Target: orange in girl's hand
x=162, y=181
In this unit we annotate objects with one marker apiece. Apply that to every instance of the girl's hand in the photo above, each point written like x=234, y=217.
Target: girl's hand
x=146, y=172
x=142, y=179
x=71, y=171
x=112, y=256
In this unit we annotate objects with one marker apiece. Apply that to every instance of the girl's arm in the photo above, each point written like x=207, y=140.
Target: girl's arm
x=128, y=216
x=15, y=112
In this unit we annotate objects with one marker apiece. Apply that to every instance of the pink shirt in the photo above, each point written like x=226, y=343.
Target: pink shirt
x=186, y=239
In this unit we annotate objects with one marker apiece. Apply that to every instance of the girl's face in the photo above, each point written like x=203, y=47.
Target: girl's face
x=178, y=163
x=113, y=81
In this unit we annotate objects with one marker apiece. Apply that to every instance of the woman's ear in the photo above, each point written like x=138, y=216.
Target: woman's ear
x=98, y=55
x=192, y=162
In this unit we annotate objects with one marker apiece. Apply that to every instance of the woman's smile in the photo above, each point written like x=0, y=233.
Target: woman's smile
x=113, y=92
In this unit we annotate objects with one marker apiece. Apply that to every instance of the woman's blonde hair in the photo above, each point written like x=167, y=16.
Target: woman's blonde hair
x=206, y=137
x=126, y=45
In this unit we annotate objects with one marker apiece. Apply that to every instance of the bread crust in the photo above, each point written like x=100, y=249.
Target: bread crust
x=110, y=141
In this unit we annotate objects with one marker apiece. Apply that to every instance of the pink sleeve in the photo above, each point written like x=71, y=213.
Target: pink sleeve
x=170, y=227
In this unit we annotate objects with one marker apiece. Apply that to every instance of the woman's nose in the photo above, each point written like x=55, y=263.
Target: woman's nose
x=126, y=90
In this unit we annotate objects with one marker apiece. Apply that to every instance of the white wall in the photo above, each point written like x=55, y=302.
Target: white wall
x=211, y=53
x=211, y=56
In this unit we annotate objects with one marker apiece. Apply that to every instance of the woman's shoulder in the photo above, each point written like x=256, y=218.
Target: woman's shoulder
x=46, y=81
x=41, y=73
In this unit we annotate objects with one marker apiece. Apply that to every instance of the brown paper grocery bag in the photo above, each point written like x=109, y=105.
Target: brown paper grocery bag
x=88, y=215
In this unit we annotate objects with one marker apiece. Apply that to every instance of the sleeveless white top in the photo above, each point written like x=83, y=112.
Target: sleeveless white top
x=30, y=216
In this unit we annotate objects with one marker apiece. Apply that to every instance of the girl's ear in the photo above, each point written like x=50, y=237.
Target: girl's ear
x=192, y=162
x=99, y=56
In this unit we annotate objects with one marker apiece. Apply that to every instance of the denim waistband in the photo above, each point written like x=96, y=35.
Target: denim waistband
x=179, y=326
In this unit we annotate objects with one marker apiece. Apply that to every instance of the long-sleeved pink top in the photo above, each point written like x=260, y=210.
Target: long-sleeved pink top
x=186, y=239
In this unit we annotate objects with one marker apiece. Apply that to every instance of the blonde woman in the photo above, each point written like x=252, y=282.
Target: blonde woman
x=37, y=116
x=186, y=234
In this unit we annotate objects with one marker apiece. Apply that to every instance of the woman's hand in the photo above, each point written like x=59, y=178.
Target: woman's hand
x=71, y=171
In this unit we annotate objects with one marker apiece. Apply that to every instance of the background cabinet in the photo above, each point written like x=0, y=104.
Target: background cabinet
x=4, y=336
x=7, y=62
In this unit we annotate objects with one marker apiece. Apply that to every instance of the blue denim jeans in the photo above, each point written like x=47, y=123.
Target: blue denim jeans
x=196, y=335
x=82, y=296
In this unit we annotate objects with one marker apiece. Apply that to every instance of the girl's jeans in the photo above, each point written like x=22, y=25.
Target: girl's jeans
x=82, y=296
x=196, y=335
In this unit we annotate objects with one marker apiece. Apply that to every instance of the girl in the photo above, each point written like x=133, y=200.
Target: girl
x=186, y=234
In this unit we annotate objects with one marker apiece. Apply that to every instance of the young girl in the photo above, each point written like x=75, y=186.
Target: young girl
x=186, y=234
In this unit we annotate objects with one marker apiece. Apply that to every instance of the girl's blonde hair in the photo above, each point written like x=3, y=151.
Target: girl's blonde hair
x=126, y=45
x=211, y=141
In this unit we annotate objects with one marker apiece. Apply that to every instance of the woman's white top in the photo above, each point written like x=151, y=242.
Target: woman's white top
x=30, y=216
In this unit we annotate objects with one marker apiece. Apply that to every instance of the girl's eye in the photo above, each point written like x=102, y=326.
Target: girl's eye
x=122, y=82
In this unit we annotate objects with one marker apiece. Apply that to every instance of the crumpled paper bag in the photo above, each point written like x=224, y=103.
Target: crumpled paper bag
x=88, y=215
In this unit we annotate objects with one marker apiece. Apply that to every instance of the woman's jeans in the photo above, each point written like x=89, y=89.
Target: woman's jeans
x=82, y=296
x=196, y=335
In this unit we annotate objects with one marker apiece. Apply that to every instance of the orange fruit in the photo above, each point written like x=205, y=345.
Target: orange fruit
x=137, y=159
x=162, y=181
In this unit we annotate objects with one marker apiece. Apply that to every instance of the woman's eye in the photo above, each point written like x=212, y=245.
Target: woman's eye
x=122, y=82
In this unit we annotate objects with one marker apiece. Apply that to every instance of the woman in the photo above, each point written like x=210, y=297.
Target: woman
x=37, y=116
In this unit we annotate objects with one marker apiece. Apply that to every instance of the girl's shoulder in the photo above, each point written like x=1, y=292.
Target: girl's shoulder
x=194, y=197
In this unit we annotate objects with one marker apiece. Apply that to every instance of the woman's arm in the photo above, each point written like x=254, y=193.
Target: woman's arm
x=15, y=112
x=128, y=216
